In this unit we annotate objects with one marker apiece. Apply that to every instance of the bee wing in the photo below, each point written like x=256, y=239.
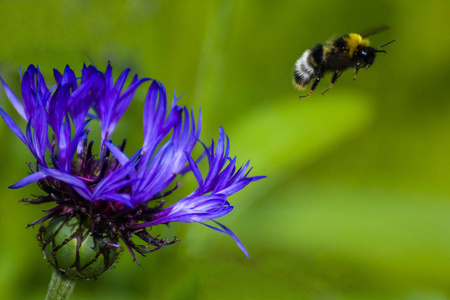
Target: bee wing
x=373, y=31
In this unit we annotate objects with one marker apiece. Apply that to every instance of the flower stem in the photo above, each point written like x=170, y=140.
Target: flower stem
x=60, y=287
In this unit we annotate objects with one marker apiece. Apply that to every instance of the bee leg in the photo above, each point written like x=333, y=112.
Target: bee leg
x=313, y=87
x=333, y=80
x=356, y=73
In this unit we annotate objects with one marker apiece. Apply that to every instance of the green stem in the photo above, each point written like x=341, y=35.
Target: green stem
x=60, y=287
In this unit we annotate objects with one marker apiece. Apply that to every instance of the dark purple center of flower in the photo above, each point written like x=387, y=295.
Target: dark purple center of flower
x=108, y=218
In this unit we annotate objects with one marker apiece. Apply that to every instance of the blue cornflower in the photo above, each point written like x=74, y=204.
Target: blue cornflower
x=111, y=195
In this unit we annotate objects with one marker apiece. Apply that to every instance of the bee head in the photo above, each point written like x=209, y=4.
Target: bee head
x=364, y=57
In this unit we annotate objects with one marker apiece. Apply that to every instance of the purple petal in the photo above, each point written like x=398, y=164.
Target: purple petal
x=193, y=209
x=195, y=169
x=64, y=177
x=119, y=155
x=228, y=231
x=13, y=126
x=155, y=177
x=32, y=178
x=58, y=76
x=14, y=100
x=122, y=198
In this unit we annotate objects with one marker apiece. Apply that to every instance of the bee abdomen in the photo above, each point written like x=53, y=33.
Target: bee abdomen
x=305, y=66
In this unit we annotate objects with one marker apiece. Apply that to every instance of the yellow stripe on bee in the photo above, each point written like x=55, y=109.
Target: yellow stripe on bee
x=353, y=41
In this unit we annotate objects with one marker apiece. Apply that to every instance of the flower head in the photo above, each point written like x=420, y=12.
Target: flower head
x=119, y=196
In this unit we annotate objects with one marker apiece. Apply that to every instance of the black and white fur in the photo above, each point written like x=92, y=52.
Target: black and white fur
x=306, y=66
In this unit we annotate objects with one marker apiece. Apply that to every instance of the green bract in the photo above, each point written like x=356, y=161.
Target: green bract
x=70, y=248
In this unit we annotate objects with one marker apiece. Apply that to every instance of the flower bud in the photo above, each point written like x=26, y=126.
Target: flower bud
x=70, y=248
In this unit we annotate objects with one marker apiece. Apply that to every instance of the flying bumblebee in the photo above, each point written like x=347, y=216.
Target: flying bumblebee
x=337, y=55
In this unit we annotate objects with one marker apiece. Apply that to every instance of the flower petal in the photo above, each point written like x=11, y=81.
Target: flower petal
x=32, y=178
x=14, y=128
x=14, y=100
x=227, y=231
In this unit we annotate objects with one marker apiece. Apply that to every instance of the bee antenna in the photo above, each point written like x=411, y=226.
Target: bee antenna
x=383, y=46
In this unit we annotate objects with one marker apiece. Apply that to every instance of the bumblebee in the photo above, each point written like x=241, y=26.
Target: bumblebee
x=337, y=55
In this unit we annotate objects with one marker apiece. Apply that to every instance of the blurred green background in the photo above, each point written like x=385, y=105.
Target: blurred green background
x=357, y=199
